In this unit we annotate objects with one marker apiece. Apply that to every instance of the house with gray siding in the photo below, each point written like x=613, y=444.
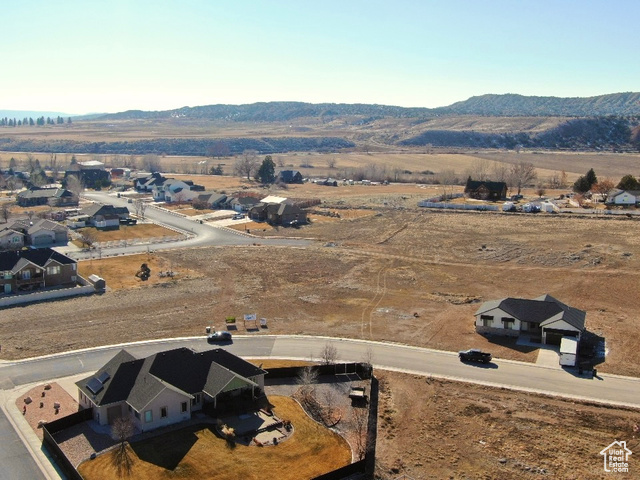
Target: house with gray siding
x=167, y=387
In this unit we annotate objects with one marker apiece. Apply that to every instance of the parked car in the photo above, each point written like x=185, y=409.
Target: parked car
x=474, y=355
x=221, y=336
x=238, y=216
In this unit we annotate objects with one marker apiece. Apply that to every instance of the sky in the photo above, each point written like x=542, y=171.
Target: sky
x=80, y=57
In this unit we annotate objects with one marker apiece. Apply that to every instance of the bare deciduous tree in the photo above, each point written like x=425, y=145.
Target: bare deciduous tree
x=359, y=423
x=522, y=174
x=5, y=212
x=151, y=163
x=307, y=379
x=500, y=172
x=74, y=185
x=247, y=164
x=280, y=162
x=140, y=207
x=331, y=162
x=447, y=178
x=329, y=354
x=479, y=169
x=121, y=430
x=87, y=236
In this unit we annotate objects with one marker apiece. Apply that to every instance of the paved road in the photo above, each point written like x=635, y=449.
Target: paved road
x=15, y=459
x=202, y=234
x=17, y=463
x=503, y=373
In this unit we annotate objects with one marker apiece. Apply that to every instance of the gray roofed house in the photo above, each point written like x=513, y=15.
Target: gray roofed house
x=166, y=387
x=544, y=317
x=290, y=176
x=46, y=196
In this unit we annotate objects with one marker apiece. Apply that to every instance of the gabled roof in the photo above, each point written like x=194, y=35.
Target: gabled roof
x=288, y=175
x=139, y=381
x=44, y=224
x=39, y=257
x=491, y=186
x=541, y=310
x=45, y=193
x=98, y=209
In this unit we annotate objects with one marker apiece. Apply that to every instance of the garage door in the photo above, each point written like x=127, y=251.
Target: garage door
x=42, y=240
x=554, y=338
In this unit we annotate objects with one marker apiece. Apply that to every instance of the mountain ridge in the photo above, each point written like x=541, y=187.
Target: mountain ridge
x=505, y=105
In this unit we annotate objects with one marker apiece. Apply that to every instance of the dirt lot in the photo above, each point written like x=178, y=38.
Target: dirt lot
x=409, y=276
x=461, y=431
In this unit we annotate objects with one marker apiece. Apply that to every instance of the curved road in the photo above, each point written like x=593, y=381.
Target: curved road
x=203, y=234
x=17, y=462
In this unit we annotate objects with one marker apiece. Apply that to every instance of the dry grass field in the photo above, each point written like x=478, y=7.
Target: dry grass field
x=197, y=452
x=461, y=431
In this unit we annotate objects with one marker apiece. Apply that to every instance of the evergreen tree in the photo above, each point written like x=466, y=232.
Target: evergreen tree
x=628, y=182
x=591, y=178
x=267, y=171
x=69, y=120
x=31, y=122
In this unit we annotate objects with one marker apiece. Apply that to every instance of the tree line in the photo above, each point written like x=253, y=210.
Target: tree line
x=13, y=122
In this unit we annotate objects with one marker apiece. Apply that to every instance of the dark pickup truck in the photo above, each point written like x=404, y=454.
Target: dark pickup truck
x=474, y=355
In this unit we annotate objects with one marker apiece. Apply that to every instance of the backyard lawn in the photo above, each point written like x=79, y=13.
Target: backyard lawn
x=196, y=452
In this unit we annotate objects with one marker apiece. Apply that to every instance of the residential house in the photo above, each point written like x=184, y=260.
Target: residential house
x=284, y=214
x=242, y=203
x=146, y=182
x=172, y=190
x=46, y=196
x=91, y=173
x=484, y=190
x=40, y=232
x=625, y=198
x=104, y=216
x=167, y=387
x=289, y=176
x=35, y=269
x=212, y=199
x=11, y=239
x=544, y=317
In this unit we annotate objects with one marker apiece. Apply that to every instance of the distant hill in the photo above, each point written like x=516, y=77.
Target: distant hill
x=509, y=105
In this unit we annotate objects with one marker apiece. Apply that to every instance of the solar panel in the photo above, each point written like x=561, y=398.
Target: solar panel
x=104, y=376
x=94, y=385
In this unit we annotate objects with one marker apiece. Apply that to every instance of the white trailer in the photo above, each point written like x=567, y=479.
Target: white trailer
x=568, y=351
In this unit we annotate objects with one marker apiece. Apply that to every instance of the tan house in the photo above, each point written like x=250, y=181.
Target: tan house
x=165, y=388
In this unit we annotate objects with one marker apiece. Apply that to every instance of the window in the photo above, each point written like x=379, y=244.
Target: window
x=164, y=412
x=16, y=239
x=508, y=323
x=183, y=407
x=26, y=274
x=148, y=416
x=487, y=320
x=55, y=270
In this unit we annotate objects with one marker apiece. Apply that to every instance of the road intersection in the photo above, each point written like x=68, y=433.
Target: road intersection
x=526, y=377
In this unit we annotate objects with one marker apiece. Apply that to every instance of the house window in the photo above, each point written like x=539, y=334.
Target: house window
x=508, y=323
x=55, y=270
x=164, y=412
x=16, y=239
x=148, y=416
x=73, y=266
x=183, y=407
x=26, y=274
x=487, y=320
